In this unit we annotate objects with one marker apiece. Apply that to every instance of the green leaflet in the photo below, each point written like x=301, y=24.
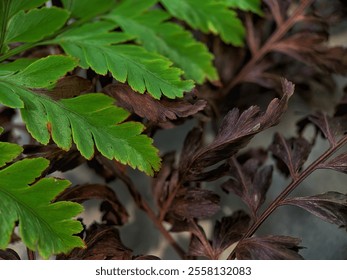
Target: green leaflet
x=208, y=16
x=43, y=72
x=38, y=74
x=88, y=120
x=132, y=8
x=170, y=40
x=8, y=8
x=43, y=226
x=35, y=24
x=1, y=130
x=82, y=9
x=18, y=64
x=245, y=5
x=8, y=151
x=17, y=5
x=8, y=96
x=143, y=70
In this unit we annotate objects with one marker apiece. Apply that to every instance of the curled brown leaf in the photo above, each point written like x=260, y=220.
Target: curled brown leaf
x=157, y=111
x=236, y=130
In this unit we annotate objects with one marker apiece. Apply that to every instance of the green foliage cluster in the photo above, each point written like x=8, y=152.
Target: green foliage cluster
x=133, y=40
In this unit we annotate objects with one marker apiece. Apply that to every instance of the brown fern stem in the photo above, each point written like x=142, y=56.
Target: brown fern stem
x=292, y=186
x=266, y=48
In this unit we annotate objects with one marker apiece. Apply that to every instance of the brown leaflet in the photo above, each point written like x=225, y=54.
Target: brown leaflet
x=228, y=61
x=236, y=130
x=178, y=225
x=59, y=160
x=234, y=133
x=229, y=230
x=269, y=248
x=260, y=154
x=199, y=244
x=332, y=11
x=278, y=9
x=302, y=33
x=262, y=76
x=69, y=87
x=277, y=107
x=309, y=81
x=192, y=144
x=307, y=47
x=192, y=202
x=115, y=212
x=197, y=248
x=249, y=182
x=9, y=254
x=103, y=243
x=330, y=207
x=252, y=37
x=339, y=163
x=209, y=176
x=145, y=106
x=166, y=179
x=292, y=152
x=329, y=127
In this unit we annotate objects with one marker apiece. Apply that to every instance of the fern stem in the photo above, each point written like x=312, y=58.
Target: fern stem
x=46, y=41
x=266, y=48
x=3, y=23
x=143, y=205
x=168, y=202
x=291, y=187
x=31, y=255
x=18, y=50
x=203, y=239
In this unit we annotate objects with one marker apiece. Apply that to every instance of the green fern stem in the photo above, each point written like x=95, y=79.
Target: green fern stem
x=18, y=50
x=46, y=41
x=3, y=23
